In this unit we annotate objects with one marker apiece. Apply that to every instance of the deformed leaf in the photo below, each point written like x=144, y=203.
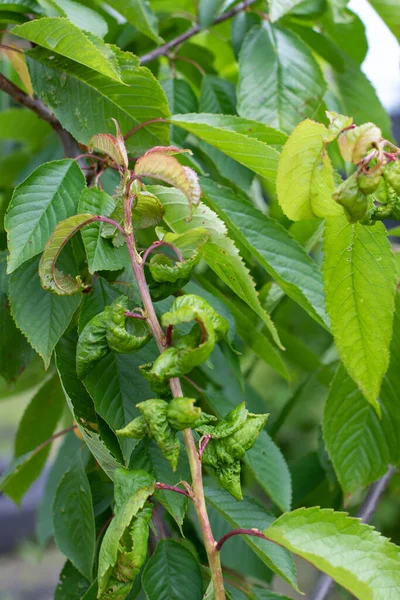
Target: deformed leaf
x=305, y=175
x=113, y=146
x=147, y=211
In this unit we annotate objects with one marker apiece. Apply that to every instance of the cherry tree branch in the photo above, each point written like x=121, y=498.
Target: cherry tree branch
x=166, y=48
x=324, y=585
x=71, y=148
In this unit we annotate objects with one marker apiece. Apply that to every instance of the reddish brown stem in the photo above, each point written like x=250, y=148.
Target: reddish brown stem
x=253, y=532
x=171, y=488
x=141, y=125
x=54, y=437
x=133, y=315
x=159, y=244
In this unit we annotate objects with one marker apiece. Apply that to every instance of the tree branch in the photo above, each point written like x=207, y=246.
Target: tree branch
x=166, y=48
x=324, y=585
x=71, y=148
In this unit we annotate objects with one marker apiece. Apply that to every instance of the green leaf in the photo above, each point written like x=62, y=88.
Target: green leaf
x=217, y=96
x=241, y=139
x=140, y=15
x=128, y=503
x=389, y=11
x=32, y=432
x=305, y=175
x=269, y=468
x=44, y=521
x=359, y=551
x=172, y=572
x=80, y=15
x=220, y=252
x=72, y=585
x=101, y=253
x=42, y=317
x=354, y=435
x=278, y=8
x=208, y=10
x=281, y=256
x=61, y=83
x=49, y=195
x=52, y=278
x=148, y=456
x=23, y=125
x=248, y=513
x=360, y=282
x=15, y=352
x=73, y=518
x=181, y=99
x=59, y=35
x=280, y=83
x=22, y=6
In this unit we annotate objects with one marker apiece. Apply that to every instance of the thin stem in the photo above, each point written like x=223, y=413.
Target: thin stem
x=166, y=48
x=325, y=584
x=54, y=437
x=157, y=245
x=253, y=532
x=190, y=61
x=71, y=148
x=194, y=459
x=171, y=488
x=133, y=315
x=12, y=48
x=141, y=125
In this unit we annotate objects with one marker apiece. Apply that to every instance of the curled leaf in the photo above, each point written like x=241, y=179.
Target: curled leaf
x=51, y=278
x=159, y=163
x=113, y=146
x=182, y=414
x=354, y=202
x=190, y=244
x=224, y=452
x=155, y=414
x=355, y=143
x=126, y=335
x=147, y=210
x=219, y=323
x=337, y=123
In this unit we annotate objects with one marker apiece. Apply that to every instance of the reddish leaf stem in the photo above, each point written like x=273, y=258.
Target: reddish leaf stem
x=254, y=532
x=157, y=245
x=171, y=488
x=141, y=125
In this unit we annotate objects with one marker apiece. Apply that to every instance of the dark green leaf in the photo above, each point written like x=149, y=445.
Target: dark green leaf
x=72, y=585
x=73, y=518
x=181, y=99
x=208, y=10
x=140, y=15
x=172, y=573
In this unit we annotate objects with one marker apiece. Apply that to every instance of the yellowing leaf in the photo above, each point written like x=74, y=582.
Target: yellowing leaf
x=17, y=59
x=305, y=175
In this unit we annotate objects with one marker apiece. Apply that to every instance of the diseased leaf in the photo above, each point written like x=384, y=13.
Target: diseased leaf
x=313, y=532
x=72, y=585
x=73, y=518
x=360, y=282
x=140, y=15
x=248, y=514
x=220, y=252
x=96, y=99
x=281, y=256
x=305, y=175
x=172, y=572
x=49, y=195
x=112, y=145
x=280, y=83
x=235, y=138
x=59, y=35
x=42, y=317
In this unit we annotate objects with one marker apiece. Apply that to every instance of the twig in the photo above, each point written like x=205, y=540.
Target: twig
x=71, y=148
x=368, y=508
x=171, y=488
x=54, y=437
x=253, y=532
x=166, y=48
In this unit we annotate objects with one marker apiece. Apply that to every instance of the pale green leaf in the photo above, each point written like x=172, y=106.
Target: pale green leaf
x=360, y=282
x=42, y=317
x=305, y=175
x=59, y=35
x=73, y=518
x=49, y=195
x=23, y=125
x=389, y=11
x=172, y=572
x=281, y=256
x=247, y=514
x=363, y=561
x=269, y=468
x=220, y=252
x=80, y=15
x=101, y=253
x=243, y=140
x=32, y=432
x=96, y=99
x=280, y=83
x=278, y=8
x=140, y=15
